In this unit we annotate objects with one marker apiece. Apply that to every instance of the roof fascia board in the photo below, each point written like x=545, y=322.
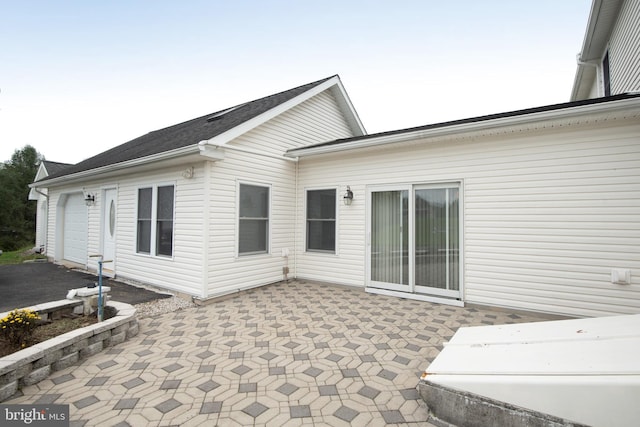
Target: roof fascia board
x=93, y=173
x=602, y=19
x=345, y=103
x=594, y=13
x=42, y=173
x=245, y=127
x=519, y=120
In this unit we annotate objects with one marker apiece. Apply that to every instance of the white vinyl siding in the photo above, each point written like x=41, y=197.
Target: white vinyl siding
x=183, y=272
x=315, y=120
x=547, y=213
x=226, y=270
x=624, y=51
x=53, y=242
x=41, y=223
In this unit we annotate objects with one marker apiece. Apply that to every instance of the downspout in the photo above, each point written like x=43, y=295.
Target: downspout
x=296, y=226
x=206, y=232
x=577, y=83
x=41, y=193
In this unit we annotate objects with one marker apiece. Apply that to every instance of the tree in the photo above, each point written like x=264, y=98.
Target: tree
x=17, y=212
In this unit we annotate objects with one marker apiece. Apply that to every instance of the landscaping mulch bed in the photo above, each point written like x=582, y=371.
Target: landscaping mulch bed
x=53, y=329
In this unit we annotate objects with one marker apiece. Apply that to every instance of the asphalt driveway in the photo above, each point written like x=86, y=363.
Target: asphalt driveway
x=27, y=284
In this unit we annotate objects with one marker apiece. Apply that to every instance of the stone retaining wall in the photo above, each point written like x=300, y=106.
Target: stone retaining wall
x=34, y=364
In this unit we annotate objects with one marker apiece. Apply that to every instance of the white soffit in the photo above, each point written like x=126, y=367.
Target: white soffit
x=602, y=18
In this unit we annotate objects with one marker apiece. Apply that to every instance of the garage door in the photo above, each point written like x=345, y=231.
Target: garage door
x=75, y=229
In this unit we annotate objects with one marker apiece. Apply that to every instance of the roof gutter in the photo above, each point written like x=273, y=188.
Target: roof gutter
x=210, y=143
x=578, y=79
x=602, y=18
x=458, y=129
x=92, y=173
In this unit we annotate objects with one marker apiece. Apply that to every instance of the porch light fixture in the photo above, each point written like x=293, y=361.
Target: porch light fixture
x=89, y=199
x=348, y=197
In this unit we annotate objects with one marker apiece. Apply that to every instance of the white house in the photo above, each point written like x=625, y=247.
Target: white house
x=204, y=207
x=537, y=209
x=609, y=61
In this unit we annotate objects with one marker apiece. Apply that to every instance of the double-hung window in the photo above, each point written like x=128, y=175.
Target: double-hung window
x=321, y=220
x=253, y=221
x=155, y=220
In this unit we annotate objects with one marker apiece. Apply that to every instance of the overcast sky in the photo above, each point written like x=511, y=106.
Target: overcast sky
x=80, y=77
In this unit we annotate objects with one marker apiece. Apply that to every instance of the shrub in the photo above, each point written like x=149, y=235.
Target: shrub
x=18, y=325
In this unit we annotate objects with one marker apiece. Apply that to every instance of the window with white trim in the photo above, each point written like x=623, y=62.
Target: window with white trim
x=321, y=220
x=253, y=219
x=155, y=207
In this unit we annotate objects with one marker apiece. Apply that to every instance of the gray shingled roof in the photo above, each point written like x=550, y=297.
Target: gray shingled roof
x=187, y=133
x=55, y=167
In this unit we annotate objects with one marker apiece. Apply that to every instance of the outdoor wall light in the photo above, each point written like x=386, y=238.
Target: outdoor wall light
x=89, y=199
x=348, y=196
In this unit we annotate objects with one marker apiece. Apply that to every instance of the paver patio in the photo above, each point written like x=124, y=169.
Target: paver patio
x=289, y=354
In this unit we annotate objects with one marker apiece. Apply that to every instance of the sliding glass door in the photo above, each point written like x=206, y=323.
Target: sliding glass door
x=390, y=239
x=414, y=239
x=437, y=241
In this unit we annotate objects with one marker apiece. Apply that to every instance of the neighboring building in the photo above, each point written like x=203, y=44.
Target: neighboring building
x=609, y=62
x=535, y=209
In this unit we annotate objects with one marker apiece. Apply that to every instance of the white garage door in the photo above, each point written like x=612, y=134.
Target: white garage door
x=75, y=229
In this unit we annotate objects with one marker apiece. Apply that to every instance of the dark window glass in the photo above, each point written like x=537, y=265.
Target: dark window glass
x=143, y=244
x=321, y=220
x=606, y=79
x=164, y=221
x=253, y=235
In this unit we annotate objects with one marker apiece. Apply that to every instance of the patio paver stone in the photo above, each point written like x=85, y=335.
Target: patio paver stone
x=297, y=353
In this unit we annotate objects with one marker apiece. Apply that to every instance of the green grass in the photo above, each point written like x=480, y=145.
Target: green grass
x=19, y=256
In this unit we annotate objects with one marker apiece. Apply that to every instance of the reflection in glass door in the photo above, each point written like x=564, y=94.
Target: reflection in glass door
x=415, y=235
x=390, y=238
x=437, y=241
